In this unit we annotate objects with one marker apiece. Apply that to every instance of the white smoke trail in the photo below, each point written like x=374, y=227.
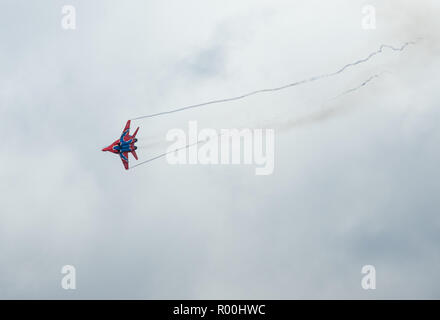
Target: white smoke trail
x=297, y=83
x=165, y=153
x=325, y=113
x=306, y=120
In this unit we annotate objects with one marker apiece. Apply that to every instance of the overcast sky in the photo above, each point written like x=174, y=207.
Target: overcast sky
x=359, y=186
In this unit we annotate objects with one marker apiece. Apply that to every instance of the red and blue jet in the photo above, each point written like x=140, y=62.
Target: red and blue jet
x=124, y=145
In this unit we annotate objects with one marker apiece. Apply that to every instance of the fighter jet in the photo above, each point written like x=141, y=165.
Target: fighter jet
x=124, y=145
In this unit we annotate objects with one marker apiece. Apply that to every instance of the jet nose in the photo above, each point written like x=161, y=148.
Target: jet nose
x=105, y=149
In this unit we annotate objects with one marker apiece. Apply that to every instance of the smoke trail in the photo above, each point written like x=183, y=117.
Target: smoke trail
x=312, y=79
x=326, y=113
x=165, y=153
x=302, y=121
x=359, y=86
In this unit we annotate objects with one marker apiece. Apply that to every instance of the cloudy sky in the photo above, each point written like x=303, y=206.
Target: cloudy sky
x=355, y=186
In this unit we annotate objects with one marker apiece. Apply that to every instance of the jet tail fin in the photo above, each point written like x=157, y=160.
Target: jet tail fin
x=134, y=154
x=135, y=133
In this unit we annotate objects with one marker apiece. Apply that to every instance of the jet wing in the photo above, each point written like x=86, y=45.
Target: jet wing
x=125, y=136
x=134, y=154
x=124, y=158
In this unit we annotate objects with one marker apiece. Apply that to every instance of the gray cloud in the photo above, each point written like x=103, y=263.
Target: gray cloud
x=360, y=188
